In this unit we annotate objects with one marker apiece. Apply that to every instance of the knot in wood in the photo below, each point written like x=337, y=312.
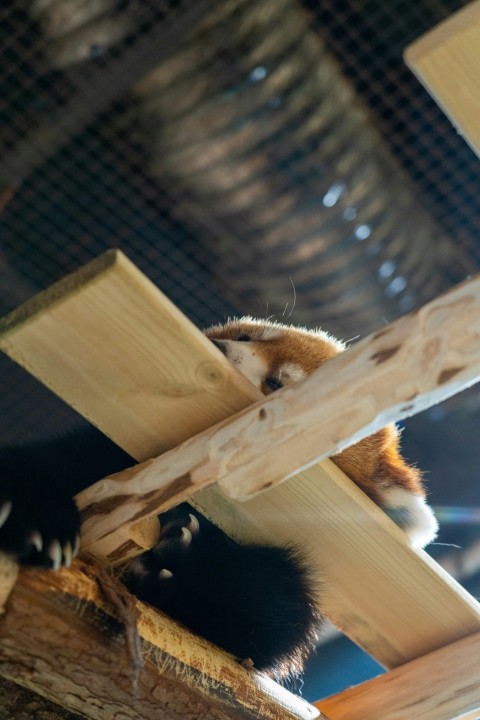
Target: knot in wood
x=210, y=374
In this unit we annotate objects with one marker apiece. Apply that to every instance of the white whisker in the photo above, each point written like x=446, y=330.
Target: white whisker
x=294, y=298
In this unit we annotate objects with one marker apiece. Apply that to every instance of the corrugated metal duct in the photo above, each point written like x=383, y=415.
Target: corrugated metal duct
x=258, y=136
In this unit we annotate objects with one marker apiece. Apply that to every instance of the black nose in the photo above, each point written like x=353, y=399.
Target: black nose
x=220, y=344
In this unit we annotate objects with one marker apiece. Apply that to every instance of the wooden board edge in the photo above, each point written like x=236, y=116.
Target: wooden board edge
x=71, y=612
x=455, y=24
x=54, y=294
x=442, y=685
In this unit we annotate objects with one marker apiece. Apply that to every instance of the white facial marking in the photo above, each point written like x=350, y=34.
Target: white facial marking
x=413, y=514
x=246, y=359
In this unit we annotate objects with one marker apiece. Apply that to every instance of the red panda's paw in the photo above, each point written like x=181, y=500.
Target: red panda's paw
x=39, y=525
x=412, y=513
x=256, y=602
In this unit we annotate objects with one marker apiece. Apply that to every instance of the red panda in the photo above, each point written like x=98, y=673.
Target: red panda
x=257, y=602
x=272, y=355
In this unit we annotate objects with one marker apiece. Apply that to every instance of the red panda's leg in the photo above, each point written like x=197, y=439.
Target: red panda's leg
x=376, y=466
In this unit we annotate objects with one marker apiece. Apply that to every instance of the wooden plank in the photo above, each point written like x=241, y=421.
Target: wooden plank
x=446, y=60
x=101, y=345
x=397, y=371
x=443, y=685
x=58, y=639
x=400, y=370
x=392, y=600
x=107, y=341
x=13, y=697
x=88, y=336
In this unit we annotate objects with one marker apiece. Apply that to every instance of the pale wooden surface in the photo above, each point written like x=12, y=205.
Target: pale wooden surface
x=8, y=577
x=444, y=685
x=447, y=61
x=56, y=639
x=111, y=340
x=392, y=601
x=395, y=602
x=396, y=372
x=416, y=362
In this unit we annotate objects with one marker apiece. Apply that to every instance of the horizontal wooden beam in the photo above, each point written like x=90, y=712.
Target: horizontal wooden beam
x=59, y=638
x=446, y=61
x=443, y=685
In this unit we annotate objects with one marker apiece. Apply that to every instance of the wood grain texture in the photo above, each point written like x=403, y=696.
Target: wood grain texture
x=8, y=577
x=111, y=345
x=443, y=685
x=106, y=339
x=446, y=61
x=395, y=602
x=417, y=361
x=373, y=577
x=58, y=638
x=398, y=371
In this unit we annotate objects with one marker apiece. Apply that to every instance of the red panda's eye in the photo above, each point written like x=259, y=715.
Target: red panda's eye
x=243, y=338
x=273, y=383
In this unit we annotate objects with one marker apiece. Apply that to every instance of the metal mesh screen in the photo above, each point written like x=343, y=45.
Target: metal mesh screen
x=232, y=148
x=368, y=39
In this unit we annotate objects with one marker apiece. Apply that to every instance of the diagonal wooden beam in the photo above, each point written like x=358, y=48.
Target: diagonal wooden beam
x=446, y=60
x=62, y=639
x=392, y=600
x=107, y=341
x=90, y=336
x=443, y=685
x=97, y=339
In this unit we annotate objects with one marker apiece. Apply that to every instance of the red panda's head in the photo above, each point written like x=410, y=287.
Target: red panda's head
x=272, y=355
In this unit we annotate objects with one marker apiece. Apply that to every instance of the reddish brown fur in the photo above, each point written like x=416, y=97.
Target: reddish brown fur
x=375, y=463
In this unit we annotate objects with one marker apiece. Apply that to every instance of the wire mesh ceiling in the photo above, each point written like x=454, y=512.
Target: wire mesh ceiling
x=228, y=131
